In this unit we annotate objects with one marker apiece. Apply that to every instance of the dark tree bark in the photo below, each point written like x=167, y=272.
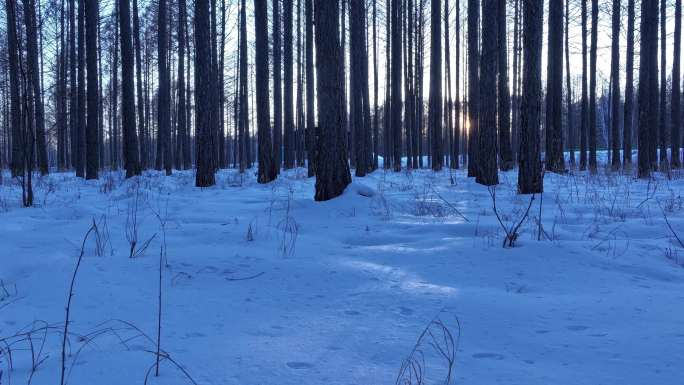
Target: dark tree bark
x=473, y=83
x=343, y=77
x=396, y=83
x=629, y=88
x=266, y=172
x=130, y=151
x=182, y=140
x=530, y=171
x=448, y=100
x=554, y=90
x=409, y=95
x=62, y=151
x=568, y=85
x=15, y=103
x=288, y=80
x=457, y=112
x=592, y=87
x=332, y=169
x=139, y=85
x=215, y=101
x=73, y=94
x=310, y=84
x=277, y=85
x=676, y=90
x=100, y=104
x=80, y=168
x=376, y=126
x=242, y=99
x=204, y=176
x=648, y=86
x=359, y=84
x=91, y=22
x=486, y=159
x=221, y=91
x=615, y=86
x=164, y=96
x=114, y=100
x=387, y=126
x=662, y=122
x=420, y=60
x=36, y=89
x=300, y=117
x=584, y=125
x=517, y=32
x=504, y=112
x=435, y=100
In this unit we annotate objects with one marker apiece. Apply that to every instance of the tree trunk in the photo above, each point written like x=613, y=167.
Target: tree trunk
x=515, y=129
x=662, y=122
x=114, y=101
x=376, y=128
x=615, y=86
x=486, y=160
x=131, y=161
x=629, y=88
x=204, y=176
x=80, y=169
x=409, y=99
x=359, y=83
x=164, y=96
x=457, y=112
x=504, y=112
x=62, y=94
x=91, y=22
x=300, y=118
x=435, y=99
x=570, y=119
x=332, y=169
x=139, y=84
x=387, y=136
x=592, y=87
x=288, y=79
x=243, y=102
x=15, y=103
x=278, y=88
x=266, y=171
x=448, y=100
x=182, y=141
x=100, y=103
x=648, y=86
x=676, y=90
x=34, y=71
x=584, y=126
x=420, y=60
x=310, y=84
x=530, y=171
x=473, y=83
x=396, y=83
x=554, y=90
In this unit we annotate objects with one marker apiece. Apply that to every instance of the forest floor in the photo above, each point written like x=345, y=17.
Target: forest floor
x=261, y=285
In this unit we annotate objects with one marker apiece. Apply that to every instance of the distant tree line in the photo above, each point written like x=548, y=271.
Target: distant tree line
x=88, y=86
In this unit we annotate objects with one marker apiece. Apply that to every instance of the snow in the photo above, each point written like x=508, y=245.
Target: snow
x=262, y=285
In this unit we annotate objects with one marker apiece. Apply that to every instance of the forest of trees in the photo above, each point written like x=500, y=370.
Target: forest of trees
x=338, y=86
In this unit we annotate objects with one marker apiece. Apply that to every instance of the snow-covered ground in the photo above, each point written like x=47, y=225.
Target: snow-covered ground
x=262, y=285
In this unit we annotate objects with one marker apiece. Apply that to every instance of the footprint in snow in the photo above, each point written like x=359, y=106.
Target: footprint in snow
x=577, y=328
x=299, y=365
x=492, y=356
x=405, y=311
